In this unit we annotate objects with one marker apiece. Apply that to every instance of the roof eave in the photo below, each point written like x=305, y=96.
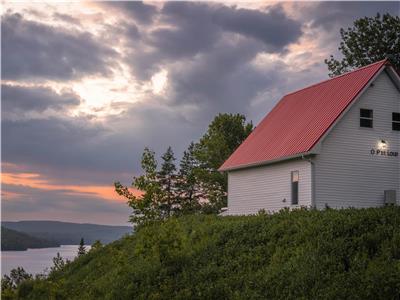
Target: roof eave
x=267, y=162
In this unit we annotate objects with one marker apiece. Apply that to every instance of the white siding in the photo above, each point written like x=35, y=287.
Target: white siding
x=250, y=190
x=346, y=174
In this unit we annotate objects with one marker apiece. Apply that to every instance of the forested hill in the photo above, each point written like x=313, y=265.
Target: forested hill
x=67, y=233
x=331, y=254
x=14, y=240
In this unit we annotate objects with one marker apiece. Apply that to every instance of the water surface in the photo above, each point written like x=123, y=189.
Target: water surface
x=35, y=261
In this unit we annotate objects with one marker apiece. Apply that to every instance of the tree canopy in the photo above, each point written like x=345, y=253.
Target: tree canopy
x=197, y=187
x=368, y=41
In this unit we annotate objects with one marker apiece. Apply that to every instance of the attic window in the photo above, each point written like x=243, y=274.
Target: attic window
x=366, y=116
x=396, y=121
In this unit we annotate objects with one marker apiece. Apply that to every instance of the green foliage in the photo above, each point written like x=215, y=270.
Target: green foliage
x=96, y=245
x=370, y=40
x=225, y=133
x=189, y=188
x=197, y=186
x=302, y=254
x=58, y=263
x=9, y=283
x=147, y=207
x=81, y=248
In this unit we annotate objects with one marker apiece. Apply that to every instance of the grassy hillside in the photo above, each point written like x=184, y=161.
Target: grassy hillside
x=67, y=233
x=331, y=254
x=15, y=240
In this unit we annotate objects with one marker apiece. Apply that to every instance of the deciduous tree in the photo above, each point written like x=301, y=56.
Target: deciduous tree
x=368, y=41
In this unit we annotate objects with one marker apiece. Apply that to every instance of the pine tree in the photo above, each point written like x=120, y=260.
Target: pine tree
x=167, y=180
x=189, y=189
x=81, y=248
x=58, y=263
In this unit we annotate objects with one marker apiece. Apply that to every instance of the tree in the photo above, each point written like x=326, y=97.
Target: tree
x=81, y=248
x=166, y=178
x=225, y=133
x=370, y=40
x=189, y=189
x=58, y=263
x=147, y=206
x=96, y=245
x=16, y=277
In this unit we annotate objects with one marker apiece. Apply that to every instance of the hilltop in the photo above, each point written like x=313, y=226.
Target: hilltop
x=66, y=233
x=15, y=240
x=308, y=254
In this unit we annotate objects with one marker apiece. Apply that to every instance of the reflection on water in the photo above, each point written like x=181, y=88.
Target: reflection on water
x=35, y=261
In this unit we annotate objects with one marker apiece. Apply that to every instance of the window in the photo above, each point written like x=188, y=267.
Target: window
x=396, y=121
x=295, y=187
x=366, y=117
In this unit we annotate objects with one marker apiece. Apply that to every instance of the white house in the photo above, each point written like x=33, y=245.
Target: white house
x=335, y=143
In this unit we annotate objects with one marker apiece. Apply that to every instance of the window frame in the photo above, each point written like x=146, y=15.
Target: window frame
x=396, y=121
x=294, y=191
x=369, y=119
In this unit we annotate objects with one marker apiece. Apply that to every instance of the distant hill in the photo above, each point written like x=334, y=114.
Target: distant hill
x=15, y=240
x=66, y=233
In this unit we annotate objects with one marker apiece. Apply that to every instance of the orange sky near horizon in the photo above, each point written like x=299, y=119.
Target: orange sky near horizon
x=36, y=181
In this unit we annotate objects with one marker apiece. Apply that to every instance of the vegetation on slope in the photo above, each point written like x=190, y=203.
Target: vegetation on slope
x=15, y=240
x=331, y=254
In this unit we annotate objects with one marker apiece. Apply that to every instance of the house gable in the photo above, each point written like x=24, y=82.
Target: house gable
x=347, y=171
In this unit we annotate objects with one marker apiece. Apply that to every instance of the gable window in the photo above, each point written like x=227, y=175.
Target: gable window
x=396, y=121
x=366, y=116
x=295, y=187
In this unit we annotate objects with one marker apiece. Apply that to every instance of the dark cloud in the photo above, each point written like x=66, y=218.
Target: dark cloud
x=54, y=141
x=336, y=14
x=198, y=28
x=35, y=50
x=21, y=99
x=66, y=18
x=274, y=28
x=141, y=12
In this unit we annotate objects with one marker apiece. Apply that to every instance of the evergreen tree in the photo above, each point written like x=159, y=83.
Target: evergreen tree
x=58, y=263
x=189, y=188
x=370, y=40
x=81, y=248
x=166, y=178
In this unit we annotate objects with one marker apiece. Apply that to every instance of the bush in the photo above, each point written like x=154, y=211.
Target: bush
x=308, y=254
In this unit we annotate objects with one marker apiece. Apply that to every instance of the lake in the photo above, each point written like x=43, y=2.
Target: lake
x=34, y=261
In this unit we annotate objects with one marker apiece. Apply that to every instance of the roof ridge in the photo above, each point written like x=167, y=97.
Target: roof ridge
x=341, y=75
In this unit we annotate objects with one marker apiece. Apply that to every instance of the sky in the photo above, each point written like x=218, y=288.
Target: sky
x=87, y=85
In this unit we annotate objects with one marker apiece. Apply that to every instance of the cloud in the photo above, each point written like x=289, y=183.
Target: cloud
x=32, y=50
x=17, y=100
x=141, y=12
x=217, y=58
x=192, y=28
x=330, y=15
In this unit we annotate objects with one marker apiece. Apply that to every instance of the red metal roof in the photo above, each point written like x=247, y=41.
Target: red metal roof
x=300, y=119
